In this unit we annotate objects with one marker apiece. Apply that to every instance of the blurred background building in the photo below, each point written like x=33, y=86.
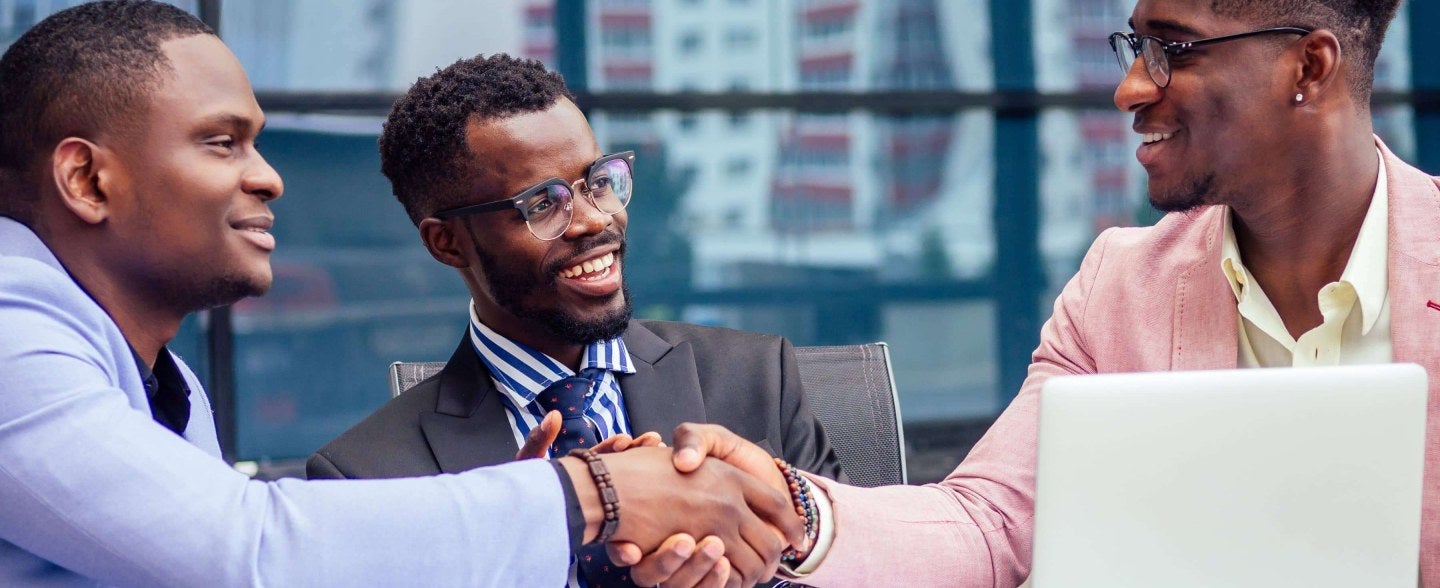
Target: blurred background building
x=924, y=172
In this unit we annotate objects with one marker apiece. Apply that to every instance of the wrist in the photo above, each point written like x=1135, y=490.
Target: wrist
x=820, y=548
x=605, y=489
x=587, y=493
x=801, y=494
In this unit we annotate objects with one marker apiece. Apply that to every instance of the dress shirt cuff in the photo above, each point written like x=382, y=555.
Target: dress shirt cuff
x=825, y=512
x=574, y=515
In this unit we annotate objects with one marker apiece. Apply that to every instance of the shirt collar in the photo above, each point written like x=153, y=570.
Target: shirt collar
x=524, y=372
x=1367, y=270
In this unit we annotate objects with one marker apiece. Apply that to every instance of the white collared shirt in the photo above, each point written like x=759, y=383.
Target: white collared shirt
x=1356, y=308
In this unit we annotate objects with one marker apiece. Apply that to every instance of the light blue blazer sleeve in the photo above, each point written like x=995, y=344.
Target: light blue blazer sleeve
x=92, y=491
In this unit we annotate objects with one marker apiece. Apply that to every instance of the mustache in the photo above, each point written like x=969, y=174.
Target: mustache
x=584, y=246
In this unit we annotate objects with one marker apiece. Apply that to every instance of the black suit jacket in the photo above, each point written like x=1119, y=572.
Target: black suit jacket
x=455, y=421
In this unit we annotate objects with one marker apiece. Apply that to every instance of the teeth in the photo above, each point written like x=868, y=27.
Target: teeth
x=593, y=265
x=1156, y=137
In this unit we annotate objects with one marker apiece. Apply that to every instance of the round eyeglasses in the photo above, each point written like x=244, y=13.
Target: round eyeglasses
x=549, y=206
x=1157, y=51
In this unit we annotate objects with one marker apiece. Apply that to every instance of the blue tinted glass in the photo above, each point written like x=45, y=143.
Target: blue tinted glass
x=611, y=184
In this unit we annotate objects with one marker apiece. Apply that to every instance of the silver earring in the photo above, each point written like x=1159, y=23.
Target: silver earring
x=1299, y=98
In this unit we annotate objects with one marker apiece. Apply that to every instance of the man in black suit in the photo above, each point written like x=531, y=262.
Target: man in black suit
x=503, y=177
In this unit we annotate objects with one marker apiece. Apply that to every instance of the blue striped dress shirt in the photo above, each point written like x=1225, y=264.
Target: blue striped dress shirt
x=521, y=374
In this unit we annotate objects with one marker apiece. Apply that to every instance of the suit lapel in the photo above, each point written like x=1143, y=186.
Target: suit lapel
x=1414, y=264
x=1205, y=315
x=664, y=391
x=468, y=428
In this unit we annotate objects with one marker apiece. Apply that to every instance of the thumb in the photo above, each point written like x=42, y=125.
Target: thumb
x=695, y=441
x=538, y=442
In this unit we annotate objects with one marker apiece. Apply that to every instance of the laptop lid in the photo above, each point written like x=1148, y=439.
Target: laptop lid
x=1259, y=477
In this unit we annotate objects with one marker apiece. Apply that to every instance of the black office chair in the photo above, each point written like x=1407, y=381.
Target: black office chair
x=850, y=388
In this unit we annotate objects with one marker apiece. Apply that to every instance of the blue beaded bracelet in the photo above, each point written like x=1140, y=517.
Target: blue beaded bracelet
x=804, y=506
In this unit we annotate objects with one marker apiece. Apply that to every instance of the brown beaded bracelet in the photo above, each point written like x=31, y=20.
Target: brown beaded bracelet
x=609, y=500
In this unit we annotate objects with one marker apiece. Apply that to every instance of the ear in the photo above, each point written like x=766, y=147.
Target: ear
x=445, y=244
x=78, y=166
x=1318, y=67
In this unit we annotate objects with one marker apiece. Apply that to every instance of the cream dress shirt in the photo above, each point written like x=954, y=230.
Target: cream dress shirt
x=1356, y=329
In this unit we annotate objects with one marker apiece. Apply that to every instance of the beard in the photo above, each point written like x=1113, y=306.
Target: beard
x=1192, y=194
x=510, y=287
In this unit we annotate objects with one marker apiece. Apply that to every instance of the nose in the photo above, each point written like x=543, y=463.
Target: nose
x=587, y=219
x=263, y=181
x=1137, y=90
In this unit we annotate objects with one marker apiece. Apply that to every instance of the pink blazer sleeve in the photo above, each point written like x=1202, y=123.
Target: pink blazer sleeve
x=972, y=529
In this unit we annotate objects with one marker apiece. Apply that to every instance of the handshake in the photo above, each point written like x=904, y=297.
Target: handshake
x=713, y=486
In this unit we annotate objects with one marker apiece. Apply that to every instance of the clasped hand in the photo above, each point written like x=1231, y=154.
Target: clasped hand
x=738, y=503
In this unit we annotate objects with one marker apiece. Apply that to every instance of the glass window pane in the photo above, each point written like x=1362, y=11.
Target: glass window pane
x=1072, y=50
x=632, y=45
x=1090, y=181
x=1392, y=66
x=787, y=45
x=354, y=290
x=374, y=44
x=17, y=16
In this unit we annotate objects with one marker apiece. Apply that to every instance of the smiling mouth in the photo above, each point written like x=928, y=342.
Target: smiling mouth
x=257, y=231
x=1148, y=138
x=593, y=269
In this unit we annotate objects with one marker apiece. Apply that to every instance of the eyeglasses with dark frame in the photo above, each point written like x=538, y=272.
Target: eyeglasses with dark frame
x=548, y=207
x=1157, y=51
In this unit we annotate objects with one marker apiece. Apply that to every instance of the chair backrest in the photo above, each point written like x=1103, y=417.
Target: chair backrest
x=850, y=388
x=405, y=375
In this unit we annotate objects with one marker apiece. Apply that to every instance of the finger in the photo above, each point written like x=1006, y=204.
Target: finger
x=624, y=553
x=767, y=546
x=649, y=439
x=732, y=578
x=720, y=575
x=710, y=551
x=658, y=566
x=616, y=444
x=747, y=556
x=538, y=442
x=694, y=441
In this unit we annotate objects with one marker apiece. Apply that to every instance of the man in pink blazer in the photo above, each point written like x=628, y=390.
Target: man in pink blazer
x=1295, y=238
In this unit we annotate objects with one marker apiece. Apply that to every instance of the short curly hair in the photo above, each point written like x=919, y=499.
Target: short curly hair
x=77, y=73
x=1360, y=26
x=422, y=147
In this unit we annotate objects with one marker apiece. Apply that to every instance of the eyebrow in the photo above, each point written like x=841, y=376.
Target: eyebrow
x=1166, y=26
x=233, y=120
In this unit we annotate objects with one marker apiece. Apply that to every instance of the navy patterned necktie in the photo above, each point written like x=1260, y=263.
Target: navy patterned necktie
x=569, y=397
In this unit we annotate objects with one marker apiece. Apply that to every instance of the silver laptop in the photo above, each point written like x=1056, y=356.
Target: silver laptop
x=1263, y=477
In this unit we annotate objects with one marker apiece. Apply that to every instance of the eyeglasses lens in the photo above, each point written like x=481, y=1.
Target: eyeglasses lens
x=548, y=212
x=611, y=185
x=1124, y=51
x=1155, y=61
